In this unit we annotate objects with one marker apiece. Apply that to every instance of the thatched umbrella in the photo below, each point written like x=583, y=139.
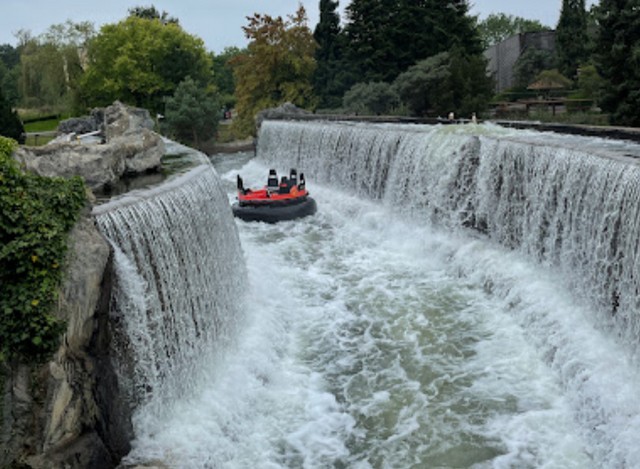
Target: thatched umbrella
x=549, y=80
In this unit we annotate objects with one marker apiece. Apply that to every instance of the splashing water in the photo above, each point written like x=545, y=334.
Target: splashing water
x=382, y=332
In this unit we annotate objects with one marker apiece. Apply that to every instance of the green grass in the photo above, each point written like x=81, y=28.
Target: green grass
x=42, y=126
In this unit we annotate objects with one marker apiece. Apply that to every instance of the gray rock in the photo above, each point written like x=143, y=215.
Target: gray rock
x=68, y=414
x=78, y=125
x=120, y=120
x=131, y=148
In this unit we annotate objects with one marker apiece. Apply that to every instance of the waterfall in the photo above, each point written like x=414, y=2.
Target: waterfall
x=570, y=203
x=179, y=274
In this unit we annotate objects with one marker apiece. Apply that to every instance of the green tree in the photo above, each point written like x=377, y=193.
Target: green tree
x=370, y=98
x=496, y=28
x=530, y=64
x=223, y=78
x=446, y=82
x=10, y=124
x=385, y=37
x=618, y=60
x=191, y=114
x=571, y=37
x=9, y=72
x=277, y=67
x=329, y=77
x=424, y=88
x=151, y=13
x=140, y=61
x=52, y=64
x=589, y=83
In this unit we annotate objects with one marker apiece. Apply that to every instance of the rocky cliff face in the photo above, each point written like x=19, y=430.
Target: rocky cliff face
x=68, y=413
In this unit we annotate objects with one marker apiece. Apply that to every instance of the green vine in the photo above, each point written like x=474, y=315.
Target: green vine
x=36, y=214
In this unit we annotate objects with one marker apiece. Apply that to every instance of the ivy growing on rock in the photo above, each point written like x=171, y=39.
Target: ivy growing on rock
x=36, y=214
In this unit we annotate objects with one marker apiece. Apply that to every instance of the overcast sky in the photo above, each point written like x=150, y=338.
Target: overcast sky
x=217, y=22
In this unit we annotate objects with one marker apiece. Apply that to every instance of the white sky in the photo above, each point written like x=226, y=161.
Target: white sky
x=217, y=22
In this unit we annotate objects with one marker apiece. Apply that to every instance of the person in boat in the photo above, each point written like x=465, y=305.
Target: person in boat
x=284, y=187
x=272, y=181
x=286, y=199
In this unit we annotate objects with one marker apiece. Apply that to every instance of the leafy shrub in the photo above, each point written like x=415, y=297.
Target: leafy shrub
x=36, y=214
x=370, y=98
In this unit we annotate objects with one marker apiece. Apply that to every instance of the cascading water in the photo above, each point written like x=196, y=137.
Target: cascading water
x=568, y=203
x=464, y=298
x=178, y=271
x=565, y=206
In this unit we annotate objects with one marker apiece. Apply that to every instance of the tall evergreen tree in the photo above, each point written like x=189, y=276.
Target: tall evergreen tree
x=329, y=75
x=9, y=72
x=385, y=37
x=571, y=37
x=617, y=60
x=10, y=124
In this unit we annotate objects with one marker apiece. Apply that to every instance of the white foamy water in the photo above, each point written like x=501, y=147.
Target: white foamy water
x=379, y=335
x=376, y=342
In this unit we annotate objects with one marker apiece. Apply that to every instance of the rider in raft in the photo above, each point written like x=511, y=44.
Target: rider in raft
x=278, y=201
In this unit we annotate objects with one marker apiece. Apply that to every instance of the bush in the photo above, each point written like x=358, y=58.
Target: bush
x=36, y=214
x=370, y=98
x=446, y=82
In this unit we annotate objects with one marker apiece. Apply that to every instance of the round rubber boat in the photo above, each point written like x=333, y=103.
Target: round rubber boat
x=287, y=199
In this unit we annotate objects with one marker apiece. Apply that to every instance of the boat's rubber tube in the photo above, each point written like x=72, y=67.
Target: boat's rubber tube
x=275, y=213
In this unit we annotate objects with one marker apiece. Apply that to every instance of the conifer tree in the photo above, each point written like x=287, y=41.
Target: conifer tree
x=571, y=37
x=328, y=77
x=385, y=37
x=10, y=124
x=617, y=52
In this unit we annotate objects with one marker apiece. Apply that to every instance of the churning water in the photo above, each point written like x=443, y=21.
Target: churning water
x=464, y=298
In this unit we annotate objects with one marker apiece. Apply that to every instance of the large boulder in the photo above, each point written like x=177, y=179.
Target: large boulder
x=113, y=121
x=121, y=120
x=131, y=147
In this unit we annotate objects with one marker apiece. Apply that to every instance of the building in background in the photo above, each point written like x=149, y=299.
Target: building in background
x=503, y=56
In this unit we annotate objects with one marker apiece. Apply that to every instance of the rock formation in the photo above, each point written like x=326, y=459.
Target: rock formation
x=131, y=147
x=68, y=413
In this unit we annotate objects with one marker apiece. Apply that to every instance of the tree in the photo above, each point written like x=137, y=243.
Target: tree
x=191, y=114
x=496, y=28
x=446, y=82
x=424, y=87
x=10, y=124
x=223, y=75
x=52, y=63
x=370, y=98
x=589, y=83
x=9, y=72
x=140, y=61
x=571, y=37
x=530, y=64
x=385, y=37
x=617, y=60
x=150, y=13
x=329, y=77
x=277, y=67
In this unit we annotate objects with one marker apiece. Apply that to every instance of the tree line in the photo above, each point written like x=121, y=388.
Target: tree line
x=411, y=57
